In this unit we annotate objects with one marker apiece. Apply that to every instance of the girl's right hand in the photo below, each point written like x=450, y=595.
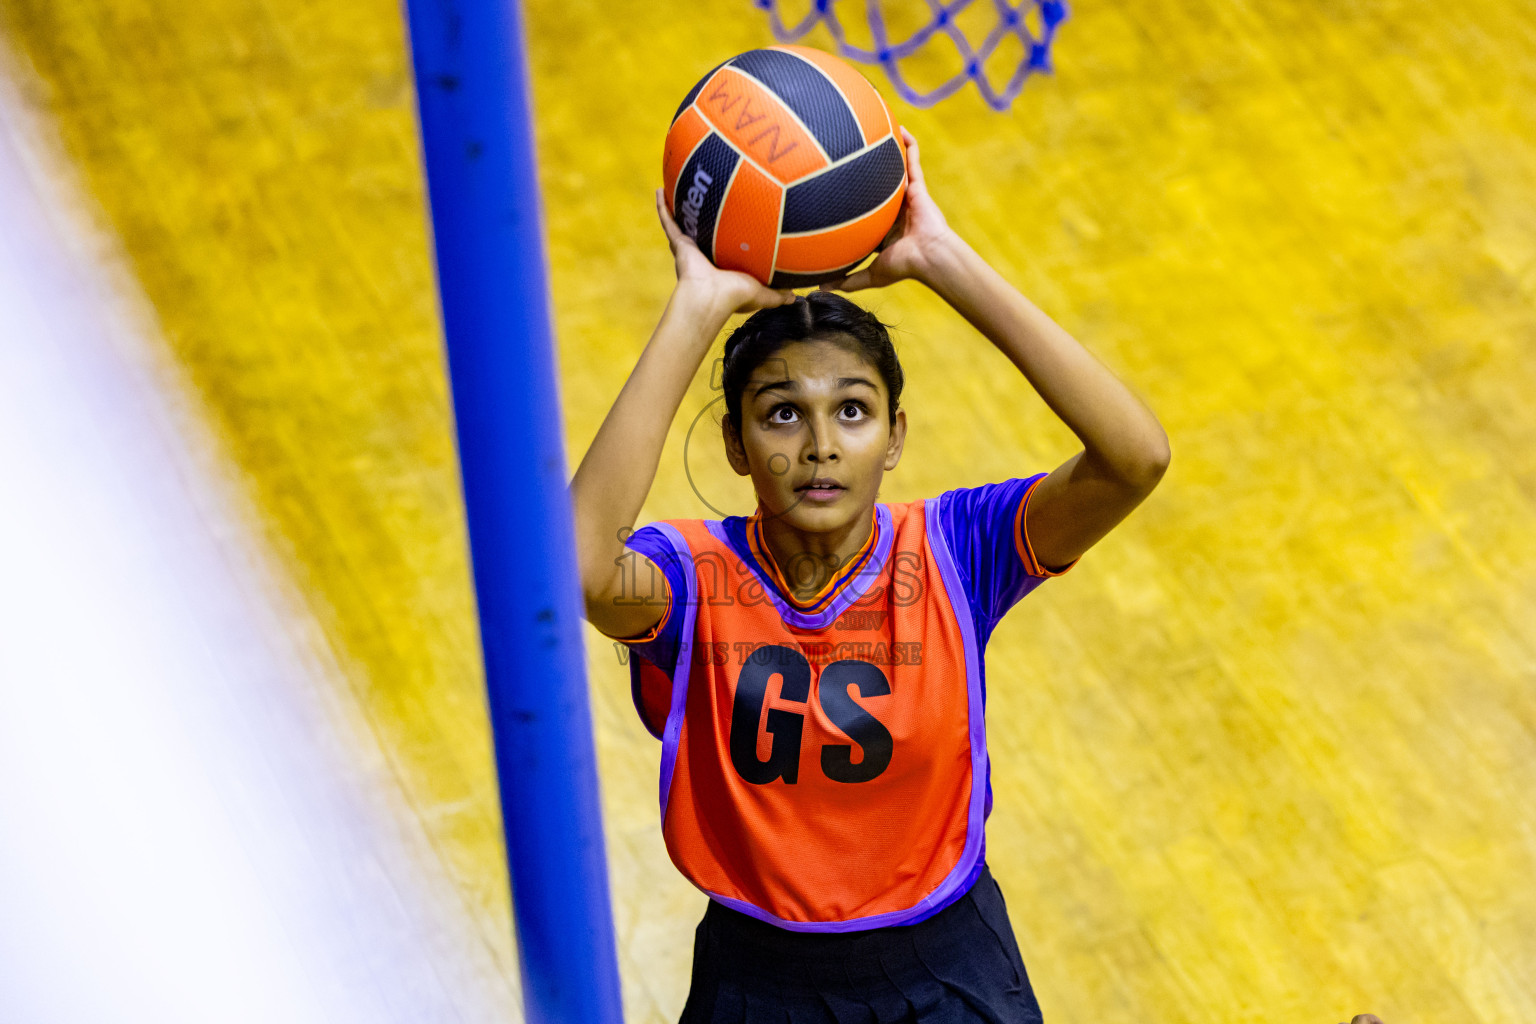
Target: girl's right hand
x=733, y=290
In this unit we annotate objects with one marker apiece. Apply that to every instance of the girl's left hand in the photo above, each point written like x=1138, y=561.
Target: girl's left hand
x=909, y=249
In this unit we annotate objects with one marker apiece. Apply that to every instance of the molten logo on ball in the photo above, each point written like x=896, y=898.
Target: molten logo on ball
x=695, y=202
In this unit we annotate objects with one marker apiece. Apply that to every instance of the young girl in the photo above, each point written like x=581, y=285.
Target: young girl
x=816, y=669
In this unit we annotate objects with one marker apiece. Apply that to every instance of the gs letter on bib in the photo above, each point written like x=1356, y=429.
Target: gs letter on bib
x=786, y=728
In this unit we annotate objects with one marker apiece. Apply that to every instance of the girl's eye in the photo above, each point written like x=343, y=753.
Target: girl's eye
x=856, y=407
x=774, y=414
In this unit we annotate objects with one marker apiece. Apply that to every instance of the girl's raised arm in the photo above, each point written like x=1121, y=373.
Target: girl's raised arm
x=616, y=474
x=1125, y=450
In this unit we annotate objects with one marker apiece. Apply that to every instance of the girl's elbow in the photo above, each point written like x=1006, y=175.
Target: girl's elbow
x=1158, y=458
x=1162, y=453
x=1147, y=469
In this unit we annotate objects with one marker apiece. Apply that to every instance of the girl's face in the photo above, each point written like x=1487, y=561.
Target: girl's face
x=816, y=409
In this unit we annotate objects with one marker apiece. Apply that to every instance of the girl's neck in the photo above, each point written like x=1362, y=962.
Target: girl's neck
x=807, y=562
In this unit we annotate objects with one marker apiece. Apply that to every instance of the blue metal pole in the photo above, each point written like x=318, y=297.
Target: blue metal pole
x=477, y=137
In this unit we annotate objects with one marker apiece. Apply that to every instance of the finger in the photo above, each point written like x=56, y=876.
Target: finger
x=914, y=168
x=767, y=298
x=667, y=223
x=855, y=281
x=674, y=233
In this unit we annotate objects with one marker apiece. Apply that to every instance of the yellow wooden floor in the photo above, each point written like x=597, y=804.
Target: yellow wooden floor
x=1268, y=754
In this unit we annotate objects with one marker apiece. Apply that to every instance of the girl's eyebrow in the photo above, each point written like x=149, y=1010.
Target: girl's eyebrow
x=785, y=385
x=793, y=386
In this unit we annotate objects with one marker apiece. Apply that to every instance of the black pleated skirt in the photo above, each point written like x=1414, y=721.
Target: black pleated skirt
x=961, y=965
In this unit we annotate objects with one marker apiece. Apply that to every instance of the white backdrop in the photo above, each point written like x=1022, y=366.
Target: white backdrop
x=191, y=828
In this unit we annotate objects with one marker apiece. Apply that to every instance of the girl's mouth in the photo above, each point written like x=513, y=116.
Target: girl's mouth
x=820, y=490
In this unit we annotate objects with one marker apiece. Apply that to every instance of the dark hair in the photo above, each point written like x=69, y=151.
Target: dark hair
x=813, y=315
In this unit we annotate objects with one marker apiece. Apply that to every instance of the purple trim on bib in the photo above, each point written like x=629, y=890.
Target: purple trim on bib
x=853, y=589
x=680, y=671
x=920, y=911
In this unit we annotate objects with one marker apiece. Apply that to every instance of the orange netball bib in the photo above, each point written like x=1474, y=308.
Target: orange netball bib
x=824, y=766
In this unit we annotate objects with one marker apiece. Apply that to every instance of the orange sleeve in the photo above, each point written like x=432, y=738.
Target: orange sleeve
x=1021, y=540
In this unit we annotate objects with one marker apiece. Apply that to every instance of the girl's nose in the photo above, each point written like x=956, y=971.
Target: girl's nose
x=823, y=441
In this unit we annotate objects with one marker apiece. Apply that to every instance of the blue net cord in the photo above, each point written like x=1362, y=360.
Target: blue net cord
x=1010, y=21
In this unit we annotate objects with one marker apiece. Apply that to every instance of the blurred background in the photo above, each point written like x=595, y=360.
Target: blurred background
x=1268, y=753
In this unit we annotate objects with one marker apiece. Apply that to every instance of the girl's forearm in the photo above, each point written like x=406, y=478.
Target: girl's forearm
x=616, y=474
x=1117, y=430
